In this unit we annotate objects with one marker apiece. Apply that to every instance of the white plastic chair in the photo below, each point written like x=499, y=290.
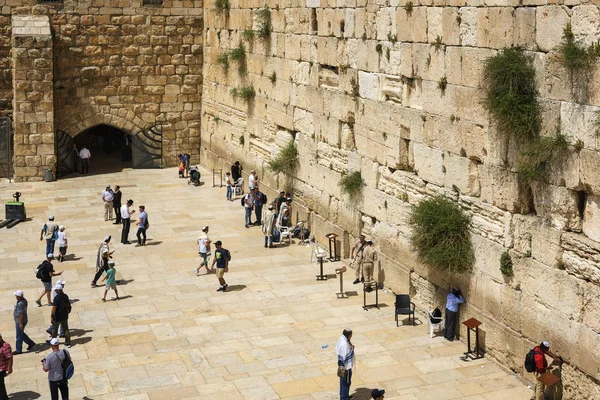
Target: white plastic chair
x=317, y=252
x=284, y=232
x=238, y=187
x=432, y=325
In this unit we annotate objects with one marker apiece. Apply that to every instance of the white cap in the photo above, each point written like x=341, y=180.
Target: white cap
x=107, y=186
x=19, y=293
x=546, y=344
x=61, y=282
x=50, y=255
x=204, y=228
x=58, y=286
x=51, y=218
x=106, y=239
x=62, y=227
x=54, y=342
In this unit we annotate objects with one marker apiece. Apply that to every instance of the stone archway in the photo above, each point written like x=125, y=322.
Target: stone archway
x=81, y=121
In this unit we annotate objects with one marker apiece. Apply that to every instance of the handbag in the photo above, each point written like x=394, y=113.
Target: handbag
x=342, y=371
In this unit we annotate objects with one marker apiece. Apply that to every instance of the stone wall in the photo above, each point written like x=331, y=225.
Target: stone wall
x=120, y=63
x=355, y=85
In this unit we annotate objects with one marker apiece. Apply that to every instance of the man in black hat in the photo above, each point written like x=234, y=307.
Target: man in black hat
x=377, y=394
x=117, y=203
x=126, y=220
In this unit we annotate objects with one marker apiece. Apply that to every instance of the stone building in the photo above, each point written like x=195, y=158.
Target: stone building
x=132, y=66
x=357, y=86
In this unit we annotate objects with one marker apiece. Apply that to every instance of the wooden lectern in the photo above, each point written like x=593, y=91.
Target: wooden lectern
x=473, y=325
x=333, y=254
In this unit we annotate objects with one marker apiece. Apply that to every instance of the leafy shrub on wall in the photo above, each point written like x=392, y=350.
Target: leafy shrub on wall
x=286, y=160
x=441, y=235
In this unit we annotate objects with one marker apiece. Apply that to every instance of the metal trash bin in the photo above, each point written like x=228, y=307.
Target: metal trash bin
x=48, y=175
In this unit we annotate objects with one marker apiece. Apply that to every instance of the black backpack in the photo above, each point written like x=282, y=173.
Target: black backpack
x=530, y=360
x=42, y=272
x=67, y=365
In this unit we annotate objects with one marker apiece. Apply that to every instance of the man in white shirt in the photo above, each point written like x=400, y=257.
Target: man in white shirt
x=126, y=219
x=85, y=156
x=108, y=196
x=252, y=180
x=204, y=250
x=248, y=200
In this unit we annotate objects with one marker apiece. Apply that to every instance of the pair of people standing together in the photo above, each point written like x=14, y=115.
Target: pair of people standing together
x=142, y=223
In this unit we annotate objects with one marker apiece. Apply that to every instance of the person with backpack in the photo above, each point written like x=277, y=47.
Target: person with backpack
x=61, y=308
x=50, y=233
x=453, y=300
x=20, y=316
x=45, y=272
x=142, y=225
x=54, y=364
x=222, y=258
x=535, y=361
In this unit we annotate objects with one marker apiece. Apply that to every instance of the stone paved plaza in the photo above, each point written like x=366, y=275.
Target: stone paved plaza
x=172, y=336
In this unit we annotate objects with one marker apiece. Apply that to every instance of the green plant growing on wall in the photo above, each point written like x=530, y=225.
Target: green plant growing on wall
x=352, y=183
x=238, y=55
x=242, y=140
x=392, y=38
x=511, y=94
x=540, y=154
x=264, y=23
x=440, y=235
x=408, y=7
x=273, y=77
x=458, y=20
x=223, y=59
x=574, y=56
x=286, y=160
x=248, y=35
x=222, y=5
x=506, y=264
x=443, y=83
x=578, y=145
x=247, y=92
x=217, y=119
x=379, y=48
x=387, y=53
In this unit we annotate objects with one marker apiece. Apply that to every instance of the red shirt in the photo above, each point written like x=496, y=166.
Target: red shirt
x=540, y=359
x=5, y=355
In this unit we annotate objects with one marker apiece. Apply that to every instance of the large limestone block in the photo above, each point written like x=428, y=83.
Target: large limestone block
x=501, y=188
x=499, y=27
x=368, y=85
x=462, y=173
x=473, y=63
x=535, y=238
x=588, y=170
x=429, y=163
x=581, y=257
x=585, y=22
x=413, y=27
x=579, y=122
x=468, y=26
x=557, y=205
x=524, y=28
x=385, y=23
x=550, y=22
x=487, y=258
x=304, y=121
x=591, y=218
x=487, y=221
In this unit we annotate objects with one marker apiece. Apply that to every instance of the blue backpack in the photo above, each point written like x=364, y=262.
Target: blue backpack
x=67, y=366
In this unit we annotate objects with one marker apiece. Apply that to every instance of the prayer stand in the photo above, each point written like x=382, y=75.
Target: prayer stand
x=472, y=325
x=341, y=294
x=549, y=379
x=370, y=285
x=321, y=277
x=332, y=246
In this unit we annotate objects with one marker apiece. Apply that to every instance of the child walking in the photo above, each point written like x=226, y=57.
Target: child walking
x=181, y=169
x=228, y=184
x=111, y=283
x=62, y=243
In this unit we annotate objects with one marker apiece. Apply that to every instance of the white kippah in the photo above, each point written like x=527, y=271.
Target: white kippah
x=546, y=344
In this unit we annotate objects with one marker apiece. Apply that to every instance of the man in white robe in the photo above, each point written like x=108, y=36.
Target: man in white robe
x=345, y=353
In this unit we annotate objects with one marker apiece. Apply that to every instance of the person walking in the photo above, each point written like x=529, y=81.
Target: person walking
x=228, y=185
x=345, y=355
x=61, y=332
x=204, y=250
x=222, y=258
x=369, y=258
x=61, y=308
x=453, y=300
x=259, y=201
x=142, y=225
x=62, y=243
x=85, y=155
x=248, y=200
x=20, y=316
x=102, y=257
x=117, y=194
x=49, y=232
x=52, y=364
x=47, y=274
x=268, y=225
x=107, y=197
x=356, y=255
x=111, y=282
x=126, y=220
x=6, y=366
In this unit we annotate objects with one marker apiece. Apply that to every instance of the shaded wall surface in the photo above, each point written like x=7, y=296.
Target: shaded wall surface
x=355, y=85
x=115, y=62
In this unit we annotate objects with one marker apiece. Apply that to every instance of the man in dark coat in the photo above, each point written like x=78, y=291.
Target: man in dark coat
x=117, y=203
